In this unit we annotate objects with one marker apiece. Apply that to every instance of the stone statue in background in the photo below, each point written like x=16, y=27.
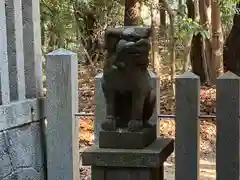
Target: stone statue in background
x=130, y=99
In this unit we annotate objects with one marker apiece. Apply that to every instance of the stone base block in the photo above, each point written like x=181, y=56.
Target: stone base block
x=129, y=164
x=103, y=173
x=127, y=140
x=151, y=156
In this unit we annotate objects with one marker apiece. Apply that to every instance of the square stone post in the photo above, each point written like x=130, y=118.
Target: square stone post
x=187, y=127
x=61, y=106
x=228, y=133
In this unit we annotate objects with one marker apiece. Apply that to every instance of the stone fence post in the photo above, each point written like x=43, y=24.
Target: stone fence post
x=61, y=105
x=187, y=127
x=227, y=144
x=4, y=76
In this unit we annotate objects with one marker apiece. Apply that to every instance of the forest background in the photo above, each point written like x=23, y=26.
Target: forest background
x=202, y=36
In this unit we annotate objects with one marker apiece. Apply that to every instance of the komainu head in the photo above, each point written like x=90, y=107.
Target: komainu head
x=129, y=45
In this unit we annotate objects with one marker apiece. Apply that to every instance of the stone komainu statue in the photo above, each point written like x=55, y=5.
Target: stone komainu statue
x=130, y=99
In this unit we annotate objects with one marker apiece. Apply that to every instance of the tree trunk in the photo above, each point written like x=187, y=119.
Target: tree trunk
x=132, y=15
x=155, y=31
x=205, y=21
x=162, y=16
x=189, y=39
x=181, y=7
x=172, y=43
x=196, y=47
x=201, y=51
x=87, y=38
x=154, y=47
x=187, y=50
x=217, y=37
x=231, y=52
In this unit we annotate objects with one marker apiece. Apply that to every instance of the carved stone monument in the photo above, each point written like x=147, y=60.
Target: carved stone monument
x=128, y=144
x=130, y=100
x=129, y=97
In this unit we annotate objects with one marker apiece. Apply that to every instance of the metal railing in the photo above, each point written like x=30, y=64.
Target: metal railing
x=163, y=116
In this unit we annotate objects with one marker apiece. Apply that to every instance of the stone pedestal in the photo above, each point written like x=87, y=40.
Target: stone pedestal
x=120, y=154
x=123, y=139
x=129, y=164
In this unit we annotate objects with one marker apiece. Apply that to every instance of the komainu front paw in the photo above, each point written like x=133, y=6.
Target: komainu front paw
x=135, y=125
x=109, y=124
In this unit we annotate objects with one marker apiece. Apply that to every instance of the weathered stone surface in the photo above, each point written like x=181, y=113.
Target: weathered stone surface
x=61, y=105
x=5, y=163
x=97, y=173
x=129, y=97
x=21, y=112
x=15, y=49
x=228, y=132
x=113, y=35
x=150, y=156
x=130, y=173
x=154, y=81
x=24, y=174
x=21, y=153
x=127, y=140
x=38, y=146
x=32, y=48
x=22, y=146
x=187, y=127
x=4, y=76
x=101, y=107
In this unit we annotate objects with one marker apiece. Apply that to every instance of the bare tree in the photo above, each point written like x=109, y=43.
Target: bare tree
x=154, y=4
x=172, y=43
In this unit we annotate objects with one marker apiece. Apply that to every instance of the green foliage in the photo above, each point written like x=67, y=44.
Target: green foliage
x=187, y=25
x=74, y=23
x=70, y=23
x=228, y=9
x=56, y=23
x=228, y=1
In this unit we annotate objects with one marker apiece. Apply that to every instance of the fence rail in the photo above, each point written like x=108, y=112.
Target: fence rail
x=170, y=116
